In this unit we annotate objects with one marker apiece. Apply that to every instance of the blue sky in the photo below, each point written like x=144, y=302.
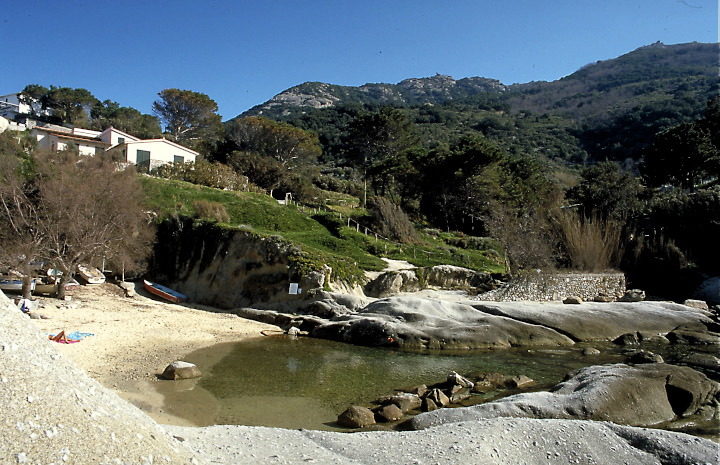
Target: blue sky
x=241, y=53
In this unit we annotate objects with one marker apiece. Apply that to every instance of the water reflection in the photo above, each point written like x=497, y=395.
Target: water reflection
x=306, y=383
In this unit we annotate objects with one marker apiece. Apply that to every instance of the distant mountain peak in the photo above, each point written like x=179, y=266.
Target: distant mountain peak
x=658, y=62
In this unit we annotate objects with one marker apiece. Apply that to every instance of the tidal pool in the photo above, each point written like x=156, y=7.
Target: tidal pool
x=307, y=383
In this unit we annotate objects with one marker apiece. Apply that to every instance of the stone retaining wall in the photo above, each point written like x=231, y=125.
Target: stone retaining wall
x=546, y=287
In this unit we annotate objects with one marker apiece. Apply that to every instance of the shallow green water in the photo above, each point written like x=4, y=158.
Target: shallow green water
x=306, y=383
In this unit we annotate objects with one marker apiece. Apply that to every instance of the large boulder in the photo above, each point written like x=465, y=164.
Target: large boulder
x=356, y=417
x=423, y=323
x=643, y=395
x=392, y=283
x=595, y=321
x=181, y=370
x=453, y=277
x=414, y=322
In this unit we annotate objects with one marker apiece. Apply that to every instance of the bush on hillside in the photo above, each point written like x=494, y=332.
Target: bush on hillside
x=215, y=175
x=389, y=220
x=210, y=211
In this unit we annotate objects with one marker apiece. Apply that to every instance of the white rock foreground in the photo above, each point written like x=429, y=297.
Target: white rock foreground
x=52, y=412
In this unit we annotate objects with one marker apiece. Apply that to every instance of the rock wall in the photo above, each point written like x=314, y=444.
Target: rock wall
x=547, y=287
x=227, y=268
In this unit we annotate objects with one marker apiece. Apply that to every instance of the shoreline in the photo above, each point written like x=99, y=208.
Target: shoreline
x=134, y=339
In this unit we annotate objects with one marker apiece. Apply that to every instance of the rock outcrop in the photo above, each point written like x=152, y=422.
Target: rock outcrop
x=54, y=413
x=228, y=268
x=642, y=395
x=392, y=283
x=432, y=324
x=420, y=323
x=500, y=441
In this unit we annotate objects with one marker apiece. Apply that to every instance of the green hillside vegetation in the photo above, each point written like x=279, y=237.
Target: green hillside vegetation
x=602, y=169
x=606, y=110
x=321, y=235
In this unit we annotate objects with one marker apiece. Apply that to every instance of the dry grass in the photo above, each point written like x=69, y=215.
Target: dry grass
x=591, y=244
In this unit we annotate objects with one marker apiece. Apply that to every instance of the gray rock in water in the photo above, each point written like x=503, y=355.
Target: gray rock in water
x=407, y=402
x=642, y=395
x=629, y=339
x=590, y=351
x=438, y=397
x=460, y=394
x=519, y=382
x=428, y=405
x=388, y=413
x=414, y=322
x=644, y=356
x=459, y=380
x=702, y=360
x=356, y=417
x=181, y=370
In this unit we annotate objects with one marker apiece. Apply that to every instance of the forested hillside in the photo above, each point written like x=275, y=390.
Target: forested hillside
x=615, y=166
x=606, y=110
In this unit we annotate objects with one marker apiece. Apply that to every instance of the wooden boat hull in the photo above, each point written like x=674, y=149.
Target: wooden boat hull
x=164, y=292
x=14, y=285
x=91, y=275
x=46, y=289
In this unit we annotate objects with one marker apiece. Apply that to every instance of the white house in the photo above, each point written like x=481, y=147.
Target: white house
x=146, y=154
x=59, y=138
x=11, y=106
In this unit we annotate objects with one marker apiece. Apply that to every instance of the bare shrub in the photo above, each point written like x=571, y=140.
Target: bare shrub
x=526, y=238
x=390, y=221
x=210, y=211
x=591, y=244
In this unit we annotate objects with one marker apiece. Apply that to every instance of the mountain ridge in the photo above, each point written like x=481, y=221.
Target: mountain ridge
x=656, y=62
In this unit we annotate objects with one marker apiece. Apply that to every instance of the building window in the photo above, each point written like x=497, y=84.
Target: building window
x=178, y=159
x=121, y=140
x=143, y=160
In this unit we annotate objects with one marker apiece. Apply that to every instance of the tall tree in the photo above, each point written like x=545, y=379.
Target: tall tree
x=608, y=193
x=289, y=145
x=189, y=117
x=682, y=156
x=69, y=211
x=108, y=113
x=71, y=106
x=376, y=140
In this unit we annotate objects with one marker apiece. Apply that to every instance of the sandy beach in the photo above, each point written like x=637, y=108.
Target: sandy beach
x=134, y=339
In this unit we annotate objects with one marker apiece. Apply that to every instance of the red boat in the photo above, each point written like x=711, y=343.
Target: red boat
x=164, y=292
